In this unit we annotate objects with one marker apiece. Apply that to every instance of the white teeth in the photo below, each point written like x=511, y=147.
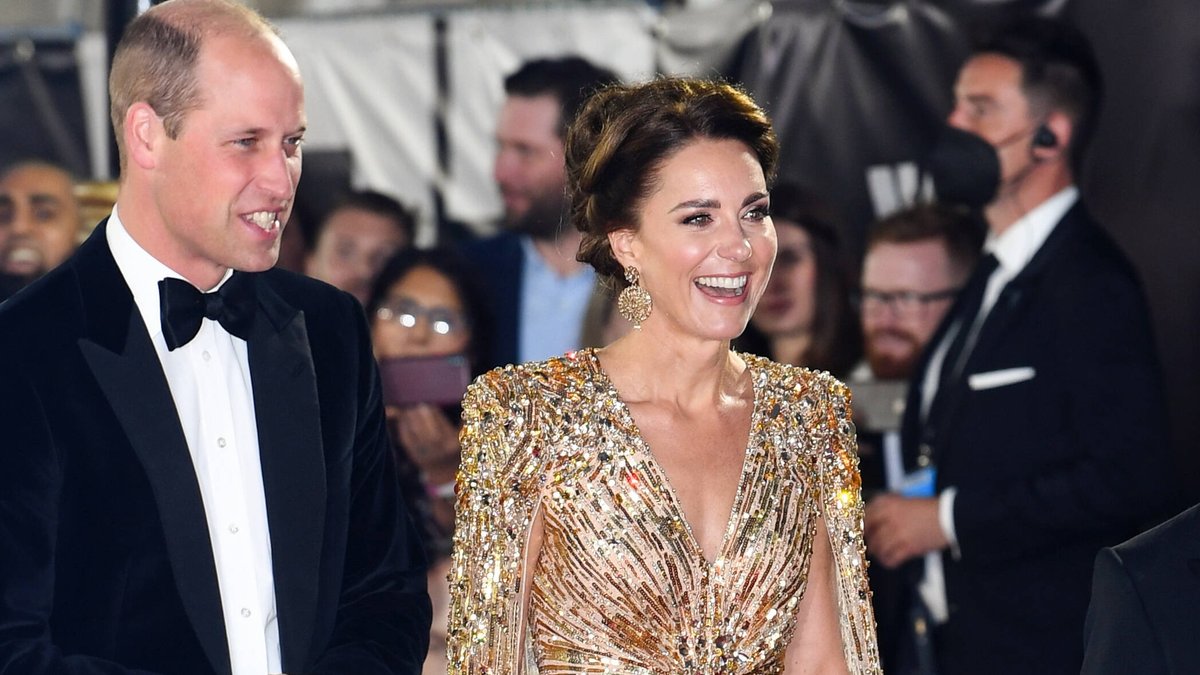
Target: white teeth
x=25, y=255
x=723, y=282
x=267, y=220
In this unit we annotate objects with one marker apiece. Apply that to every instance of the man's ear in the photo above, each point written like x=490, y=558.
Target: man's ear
x=624, y=246
x=144, y=134
x=1060, y=125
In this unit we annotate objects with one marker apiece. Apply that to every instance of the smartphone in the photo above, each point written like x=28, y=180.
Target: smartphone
x=439, y=380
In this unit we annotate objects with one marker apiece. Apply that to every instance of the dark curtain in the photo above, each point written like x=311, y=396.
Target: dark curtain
x=42, y=115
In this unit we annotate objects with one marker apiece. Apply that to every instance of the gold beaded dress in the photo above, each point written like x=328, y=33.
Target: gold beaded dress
x=620, y=584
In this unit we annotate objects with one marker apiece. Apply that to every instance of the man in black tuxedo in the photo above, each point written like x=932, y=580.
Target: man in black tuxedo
x=199, y=484
x=1145, y=592
x=1037, y=408
x=537, y=290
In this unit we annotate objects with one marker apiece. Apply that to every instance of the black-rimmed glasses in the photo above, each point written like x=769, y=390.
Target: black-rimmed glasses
x=902, y=302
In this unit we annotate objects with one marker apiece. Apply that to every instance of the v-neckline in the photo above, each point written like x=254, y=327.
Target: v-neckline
x=731, y=522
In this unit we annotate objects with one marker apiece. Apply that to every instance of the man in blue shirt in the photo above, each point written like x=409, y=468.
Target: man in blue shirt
x=538, y=290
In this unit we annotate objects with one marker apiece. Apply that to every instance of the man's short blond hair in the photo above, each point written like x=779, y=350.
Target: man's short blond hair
x=156, y=59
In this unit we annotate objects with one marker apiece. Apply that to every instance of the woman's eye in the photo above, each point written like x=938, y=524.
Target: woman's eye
x=758, y=213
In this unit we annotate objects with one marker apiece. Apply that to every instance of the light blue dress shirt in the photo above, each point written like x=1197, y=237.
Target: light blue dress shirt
x=552, y=307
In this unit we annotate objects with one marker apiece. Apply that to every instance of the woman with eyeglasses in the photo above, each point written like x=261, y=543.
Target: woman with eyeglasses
x=427, y=303
x=806, y=317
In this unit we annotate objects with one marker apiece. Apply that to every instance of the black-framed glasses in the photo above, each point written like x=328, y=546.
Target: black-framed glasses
x=902, y=302
x=406, y=312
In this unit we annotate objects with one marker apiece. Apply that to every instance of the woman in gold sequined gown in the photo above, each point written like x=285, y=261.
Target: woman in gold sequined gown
x=663, y=505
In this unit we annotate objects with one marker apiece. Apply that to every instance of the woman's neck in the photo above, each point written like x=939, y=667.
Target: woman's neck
x=687, y=373
x=791, y=349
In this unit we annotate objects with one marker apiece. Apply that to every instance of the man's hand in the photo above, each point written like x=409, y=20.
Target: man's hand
x=899, y=529
x=429, y=438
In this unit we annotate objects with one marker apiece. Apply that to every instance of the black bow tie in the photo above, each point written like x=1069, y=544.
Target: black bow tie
x=183, y=308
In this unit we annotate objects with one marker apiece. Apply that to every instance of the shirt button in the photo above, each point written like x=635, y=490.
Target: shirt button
x=220, y=442
x=246, y=612
x=233, y=529
x=205, y=355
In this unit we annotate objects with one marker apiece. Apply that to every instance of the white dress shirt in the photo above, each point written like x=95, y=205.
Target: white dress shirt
x=209, y=379
x=1013, y=250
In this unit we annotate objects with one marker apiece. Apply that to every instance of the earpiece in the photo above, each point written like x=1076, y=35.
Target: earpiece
x=1043, y=137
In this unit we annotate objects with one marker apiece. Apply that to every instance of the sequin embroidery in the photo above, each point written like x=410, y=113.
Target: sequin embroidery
x=621, y=585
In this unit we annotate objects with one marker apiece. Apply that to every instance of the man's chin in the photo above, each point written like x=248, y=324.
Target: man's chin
x=888, y=367
x=537, y=229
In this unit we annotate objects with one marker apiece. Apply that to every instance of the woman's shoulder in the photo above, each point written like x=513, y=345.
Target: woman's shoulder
x=796, y=382
x=510, y=412
x=532, y=382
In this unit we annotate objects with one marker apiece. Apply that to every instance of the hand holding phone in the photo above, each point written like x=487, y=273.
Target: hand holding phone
x=438, y=380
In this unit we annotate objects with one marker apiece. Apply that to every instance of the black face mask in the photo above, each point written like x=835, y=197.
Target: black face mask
x=965, y=169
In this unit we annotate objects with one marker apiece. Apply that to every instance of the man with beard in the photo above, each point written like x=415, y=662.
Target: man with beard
x=916, y=262
x=538, y=290
x=40, y=222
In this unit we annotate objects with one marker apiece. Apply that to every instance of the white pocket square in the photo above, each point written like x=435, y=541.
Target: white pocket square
x=1000, y=378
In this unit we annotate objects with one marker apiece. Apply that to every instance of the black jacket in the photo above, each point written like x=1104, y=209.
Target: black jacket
x=1068, y=456
x=105, y=560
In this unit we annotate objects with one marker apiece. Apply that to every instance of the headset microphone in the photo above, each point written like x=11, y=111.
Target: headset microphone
x=1043, y=137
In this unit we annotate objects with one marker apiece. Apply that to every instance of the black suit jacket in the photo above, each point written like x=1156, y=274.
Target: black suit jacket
x=502, y=264
x=1145, y=613
x=106, y=564
x=1049, y=468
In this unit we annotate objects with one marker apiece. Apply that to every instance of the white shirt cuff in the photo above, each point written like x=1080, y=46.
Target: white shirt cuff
x=946, y=519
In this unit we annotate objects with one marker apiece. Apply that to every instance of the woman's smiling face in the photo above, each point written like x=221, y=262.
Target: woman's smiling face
x=705, y=243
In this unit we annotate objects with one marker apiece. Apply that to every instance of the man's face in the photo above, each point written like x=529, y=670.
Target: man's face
x=224, y=187
x=39, y=220
x=906, y=289
x=989, y=102
x=529, y=166
x=352, y=247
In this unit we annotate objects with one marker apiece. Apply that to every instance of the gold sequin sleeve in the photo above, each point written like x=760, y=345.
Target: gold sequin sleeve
x=497, y=497
x=841, y=500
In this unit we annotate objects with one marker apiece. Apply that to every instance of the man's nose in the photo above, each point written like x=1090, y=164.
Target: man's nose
x=275, y=175
x=958, y=118
x=21, y=223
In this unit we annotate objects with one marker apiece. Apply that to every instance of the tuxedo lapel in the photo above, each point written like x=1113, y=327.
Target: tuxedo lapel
x=916, y=430
x=1013, y=300
x=1015, y=295
x=289, y=439
x=122, y=359
x=1191, y=547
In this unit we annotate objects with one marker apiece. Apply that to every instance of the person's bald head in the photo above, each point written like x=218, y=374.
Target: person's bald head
x=156, y=59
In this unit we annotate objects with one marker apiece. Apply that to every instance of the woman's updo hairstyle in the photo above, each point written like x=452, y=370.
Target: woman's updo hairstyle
x=623, y=135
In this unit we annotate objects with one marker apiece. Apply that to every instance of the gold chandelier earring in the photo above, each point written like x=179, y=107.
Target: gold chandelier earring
x=634, y=302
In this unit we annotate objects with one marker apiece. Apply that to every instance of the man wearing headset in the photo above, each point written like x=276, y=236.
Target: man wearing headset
x=1036, y=413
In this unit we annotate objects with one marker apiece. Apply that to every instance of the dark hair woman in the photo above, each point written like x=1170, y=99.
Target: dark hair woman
x=663, y=504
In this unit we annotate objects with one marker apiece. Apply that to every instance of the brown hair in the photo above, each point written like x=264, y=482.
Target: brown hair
x=959, y=229
x=155, y=61
x=1059, y=71
x=621, y=138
